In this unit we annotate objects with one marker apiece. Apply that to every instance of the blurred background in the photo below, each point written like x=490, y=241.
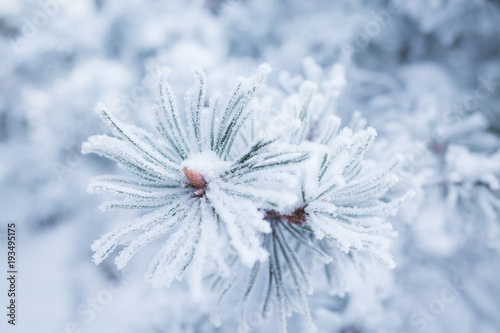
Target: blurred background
x=424, y=73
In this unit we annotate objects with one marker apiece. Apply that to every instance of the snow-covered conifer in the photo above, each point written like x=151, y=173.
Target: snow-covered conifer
x=339, y=218
x=206, y=186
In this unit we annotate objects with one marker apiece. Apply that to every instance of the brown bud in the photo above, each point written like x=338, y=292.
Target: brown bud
x=195, y=178
x=298, y=217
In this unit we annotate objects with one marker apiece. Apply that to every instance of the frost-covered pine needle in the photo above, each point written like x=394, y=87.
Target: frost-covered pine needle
x=233, y=193
x=340, y=216
x=205, y=187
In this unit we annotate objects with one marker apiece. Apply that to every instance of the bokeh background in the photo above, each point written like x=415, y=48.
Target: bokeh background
x=424, y=73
